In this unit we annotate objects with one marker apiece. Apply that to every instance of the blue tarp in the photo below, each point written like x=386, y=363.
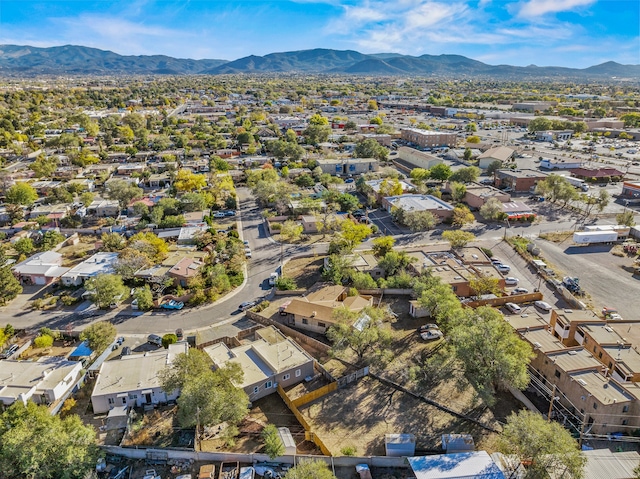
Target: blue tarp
x=81, y=351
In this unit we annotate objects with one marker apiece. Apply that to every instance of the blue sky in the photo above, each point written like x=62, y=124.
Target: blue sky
x=575, y=33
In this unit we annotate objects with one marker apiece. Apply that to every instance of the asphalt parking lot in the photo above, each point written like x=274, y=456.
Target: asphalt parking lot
x=527, y=275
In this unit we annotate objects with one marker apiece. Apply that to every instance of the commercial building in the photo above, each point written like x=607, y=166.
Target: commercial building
x=417, y=158
x=477, y=195
x=502, y=154
x=428, y=138
x=416, y=202
x=520, y=181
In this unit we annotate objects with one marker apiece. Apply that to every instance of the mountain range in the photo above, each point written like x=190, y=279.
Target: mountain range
x=17, y=60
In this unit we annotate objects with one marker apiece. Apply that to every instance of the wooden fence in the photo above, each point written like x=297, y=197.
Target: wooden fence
x=313, y=395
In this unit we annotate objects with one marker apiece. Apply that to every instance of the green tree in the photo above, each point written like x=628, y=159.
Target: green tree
x=291, y=231
x=493, y=168
x=99, y=335
x=351, y=235
x=9, y=284
x=370, y=148
x=310, y=469
x=338, y=268
x=362, y=280
x=419, y=220
x=473, y=139
x=368, y=343
x=540, y=124
x=458, y=191
x=123, y=191
x=24, y=246
x=394, y=261
x=169, y=338
x=372, y=105
x=547, y=447
x=383, y=245
x=484, y=285
x=129, y=261
x=458, y=238
x=43, y=341
x=315, y=134
x=144, y=297
x=492, y=210
x=273, y=445
x=440, y=172
x=35, y=444
x=420, y=175
x=191, y=374
x=317, y=119
x=492, y=354
x=106, y=289
x=468, y=154
x=21, y=194
x=468, y=174
x=51, y=239
x=556, y=188
x=87, y=198
x=112, y=242
x=626, y=218
x=44, y=167
x=390, y=187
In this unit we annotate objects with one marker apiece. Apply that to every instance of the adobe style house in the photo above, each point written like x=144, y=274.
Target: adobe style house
x=314, y=312
x=134, y=380
x=270, y=360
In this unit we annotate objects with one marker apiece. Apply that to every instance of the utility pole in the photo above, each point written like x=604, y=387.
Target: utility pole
x=553, y=396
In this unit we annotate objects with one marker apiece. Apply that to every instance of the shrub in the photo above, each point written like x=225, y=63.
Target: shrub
x=286, y=284
x=68, y=300
x=348, y=451
x=44, y=341
x=66, y=408
x=168, y=339
x=199, y=297
x=487, y=251
x=261, y=306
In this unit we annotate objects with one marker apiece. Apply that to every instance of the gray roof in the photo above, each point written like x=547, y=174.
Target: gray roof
x=604, y=464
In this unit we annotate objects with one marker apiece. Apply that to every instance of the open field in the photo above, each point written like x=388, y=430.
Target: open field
x=305, y=271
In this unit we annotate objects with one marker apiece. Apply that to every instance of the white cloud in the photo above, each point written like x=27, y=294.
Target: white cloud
x=537, y=8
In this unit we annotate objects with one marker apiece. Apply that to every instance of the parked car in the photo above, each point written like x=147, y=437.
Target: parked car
x=154, y=339
x=246, y=243
x=511, y=281
x=544, y=306
x=431, y=334
x=513, y=308
x=219, y=214
x=349, y=180
x=519, y=291
x=247, y=252
x=503, y=268
x=9, y=351
x=229, y=213
x=428, y=326
x=126, y=351
x=172, y=304
x=495, y=260
x=247, y=305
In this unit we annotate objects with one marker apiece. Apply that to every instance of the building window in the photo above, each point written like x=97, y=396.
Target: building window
x=600, y=355
x=268, y=384
x=610, y=364
x=557, y=373
x=595, y=405
x=454, y=288
x=286, y=376
x=305, y=321
x=124, y=400
x=594, y=349
x=111, y=401
x=625, y=422
x=133, y=396
x=322, y=325
x=298, y=373
x=625, y=408
x=255, y=390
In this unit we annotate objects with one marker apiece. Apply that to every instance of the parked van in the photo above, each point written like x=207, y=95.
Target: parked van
x=154, y=339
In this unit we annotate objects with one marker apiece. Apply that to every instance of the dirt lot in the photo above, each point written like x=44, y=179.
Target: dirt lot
x=360, y=414
x=268, y=410
x=305, y=271
x=57, y=350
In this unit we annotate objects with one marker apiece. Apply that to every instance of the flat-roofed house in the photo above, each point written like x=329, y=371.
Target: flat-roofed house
x=43, y=381
x=271, y=360
x=99, y=263
x=134, y=380
x=314, y=312
x=40, y=269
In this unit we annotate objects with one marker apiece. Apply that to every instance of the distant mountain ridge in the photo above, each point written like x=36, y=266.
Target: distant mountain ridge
x=17, y=60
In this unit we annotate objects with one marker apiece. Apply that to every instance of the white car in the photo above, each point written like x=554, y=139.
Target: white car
x=219, y=214
x=513, y=308
x=511, y=281
x=503, y=268
x=544, y=306
x=431, y=334
x=247, y=252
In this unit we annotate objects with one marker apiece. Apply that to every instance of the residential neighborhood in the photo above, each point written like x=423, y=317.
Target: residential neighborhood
x=381, y=276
